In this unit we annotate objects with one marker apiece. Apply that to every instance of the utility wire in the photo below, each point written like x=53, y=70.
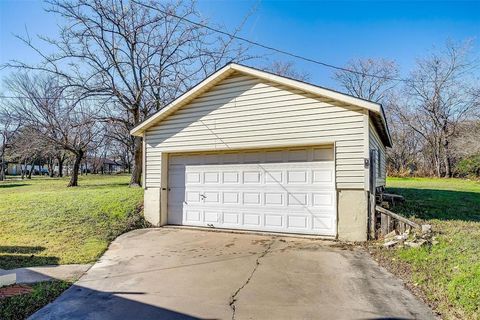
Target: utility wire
x=258, y=44
x=53, y=98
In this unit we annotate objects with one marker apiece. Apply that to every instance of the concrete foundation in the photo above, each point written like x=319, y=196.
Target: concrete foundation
x=352, y=215
x=151, y=205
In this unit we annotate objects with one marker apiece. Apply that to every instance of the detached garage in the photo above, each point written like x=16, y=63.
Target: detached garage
x=246, y=149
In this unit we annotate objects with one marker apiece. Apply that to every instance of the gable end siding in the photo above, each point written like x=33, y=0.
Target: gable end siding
x=243, y=112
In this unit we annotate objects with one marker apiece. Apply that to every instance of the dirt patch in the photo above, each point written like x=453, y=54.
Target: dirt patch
x=263, y=242
x=345, y=246
x=14, y=290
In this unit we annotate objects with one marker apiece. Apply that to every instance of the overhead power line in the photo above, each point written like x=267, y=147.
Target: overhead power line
x=258, y=44
x=54, y=98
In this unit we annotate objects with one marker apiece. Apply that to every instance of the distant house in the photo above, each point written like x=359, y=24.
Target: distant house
x=14, y=168
x=102, y=165
x=247, y=149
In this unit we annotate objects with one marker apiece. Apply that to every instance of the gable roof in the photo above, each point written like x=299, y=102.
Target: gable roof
x=376, y=109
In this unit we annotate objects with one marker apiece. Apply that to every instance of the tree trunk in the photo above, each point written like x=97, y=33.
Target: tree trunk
x=2, y=171
x=32, y=167
x=51, y=167
x=60, y=161
x=2, y=167
x=76, y=167
x=24, y=169
x=447, y=160
x=136, y=179
x=437, y=160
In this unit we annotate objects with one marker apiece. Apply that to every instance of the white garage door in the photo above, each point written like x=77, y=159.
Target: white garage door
x=272, y=190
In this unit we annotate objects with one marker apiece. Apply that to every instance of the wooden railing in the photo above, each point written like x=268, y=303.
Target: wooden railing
x=389, y=221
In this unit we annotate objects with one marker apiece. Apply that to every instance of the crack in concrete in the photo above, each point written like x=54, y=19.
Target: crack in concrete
x=233, y=297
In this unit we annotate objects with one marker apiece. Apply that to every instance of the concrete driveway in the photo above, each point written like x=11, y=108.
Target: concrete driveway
x=190, y=274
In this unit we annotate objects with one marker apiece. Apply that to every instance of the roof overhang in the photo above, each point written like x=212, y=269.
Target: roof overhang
x=229, y=69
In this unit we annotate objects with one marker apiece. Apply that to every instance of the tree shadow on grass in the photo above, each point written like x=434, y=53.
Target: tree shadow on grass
x=93, y=185
x=24, y=256
x=12, y=185
x=438, y=204
x=21, y=249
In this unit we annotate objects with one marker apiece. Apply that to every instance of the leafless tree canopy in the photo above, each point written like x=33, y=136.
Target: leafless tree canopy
x=439, y=98
x=287, y=69
x=426, y=111
x=361, y=85
x=8, y=130
x=50, y=117
x=134, y=55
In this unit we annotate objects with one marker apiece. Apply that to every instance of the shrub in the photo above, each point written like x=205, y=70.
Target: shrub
x=469, y=167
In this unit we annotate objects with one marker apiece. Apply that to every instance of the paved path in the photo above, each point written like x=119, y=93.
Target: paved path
x=190, y=274
x=46, y=273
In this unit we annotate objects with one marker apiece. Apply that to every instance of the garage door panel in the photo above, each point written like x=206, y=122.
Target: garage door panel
x=322, y=223
x=211, y=177
x=230, y=177
x=251, y=219
x=274, y=220
x=297, y=176
x=212, y=216
x=297, y=199
x=193, y=178
x=252, y=198
x=322, y=177
x=231, y=218
x=250, y=177
x=211, y=197
x=231, y=197
x=274, y=177
x=323, y=199
x=297, y=222
x=274, y=190
x=193, y=215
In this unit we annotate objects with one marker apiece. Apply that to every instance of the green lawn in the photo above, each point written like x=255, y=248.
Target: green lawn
x=43, y=222
x=446, y=274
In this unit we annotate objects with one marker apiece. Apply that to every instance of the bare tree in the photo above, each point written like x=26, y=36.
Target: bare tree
x=63, y=121
x=287, y=69
x=466, y=141
x=369, y=79
x=441, y=95
x=28, y=149
x=8, y=130
x=403, y=158
x=120, y=147
x=137, y=55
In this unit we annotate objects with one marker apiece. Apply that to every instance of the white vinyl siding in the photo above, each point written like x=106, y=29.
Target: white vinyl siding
x=376, y=144
x=153, y=165
x=243, y=112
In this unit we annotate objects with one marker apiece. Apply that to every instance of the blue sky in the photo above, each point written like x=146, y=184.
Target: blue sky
x=333, y=32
